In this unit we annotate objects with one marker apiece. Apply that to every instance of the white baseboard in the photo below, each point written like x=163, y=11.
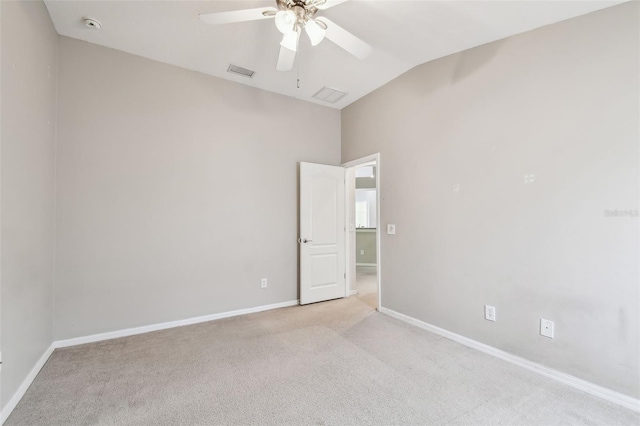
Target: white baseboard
x=365, y=264
x=171, y=324
x=353, y=292
x=567, y=379
x=6, y=411
x=15, y=399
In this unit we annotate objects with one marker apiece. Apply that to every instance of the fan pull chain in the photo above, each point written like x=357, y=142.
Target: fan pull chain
x=298, y=71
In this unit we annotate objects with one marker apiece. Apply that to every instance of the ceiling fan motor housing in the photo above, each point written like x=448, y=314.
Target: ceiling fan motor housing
x=304, y=10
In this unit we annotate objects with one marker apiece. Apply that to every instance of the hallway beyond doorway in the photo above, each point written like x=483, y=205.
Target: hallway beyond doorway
x=367, y=285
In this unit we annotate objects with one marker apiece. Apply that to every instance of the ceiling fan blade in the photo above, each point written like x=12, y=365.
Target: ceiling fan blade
x=219, y=18
x=286, y=59
x=346, y=40
x=330, y=3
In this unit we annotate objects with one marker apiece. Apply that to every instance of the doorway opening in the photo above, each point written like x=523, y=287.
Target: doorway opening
x=363, y=235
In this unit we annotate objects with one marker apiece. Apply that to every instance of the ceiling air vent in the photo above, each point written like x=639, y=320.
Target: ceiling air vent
x=240, y=71
x=327, y=94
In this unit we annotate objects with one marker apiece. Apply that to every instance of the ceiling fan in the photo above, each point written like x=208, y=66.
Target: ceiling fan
x=291, y=16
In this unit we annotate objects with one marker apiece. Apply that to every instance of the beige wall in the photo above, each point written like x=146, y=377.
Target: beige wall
x=559, y=103
x=363, y=182
x=29, y=56
x=366, y=241
x=177, y=192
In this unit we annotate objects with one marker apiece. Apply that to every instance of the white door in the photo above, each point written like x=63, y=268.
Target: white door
x=322, y=233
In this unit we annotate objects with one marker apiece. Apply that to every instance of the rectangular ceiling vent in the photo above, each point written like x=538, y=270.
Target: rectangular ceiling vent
x=240, y=71
x=327, y=94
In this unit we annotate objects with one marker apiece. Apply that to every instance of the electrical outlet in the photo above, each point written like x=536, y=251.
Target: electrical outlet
x=547, y=328
x=361, y=252
x=391, y=229
x=263, y=283
x=489, y=313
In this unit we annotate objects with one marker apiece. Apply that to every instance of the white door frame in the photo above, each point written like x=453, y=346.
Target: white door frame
x=351, y=235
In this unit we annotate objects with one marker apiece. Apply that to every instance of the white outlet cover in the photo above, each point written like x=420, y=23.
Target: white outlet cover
x=489, y=312
x=391, y=229
x=263, y=283
x=547, y=328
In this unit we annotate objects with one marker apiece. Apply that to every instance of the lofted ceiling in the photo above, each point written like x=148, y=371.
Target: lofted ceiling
x=403, y=34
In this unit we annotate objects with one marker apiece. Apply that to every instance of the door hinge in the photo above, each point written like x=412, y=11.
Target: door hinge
x=345, y=275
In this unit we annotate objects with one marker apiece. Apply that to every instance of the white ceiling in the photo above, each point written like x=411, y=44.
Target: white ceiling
x=403, y=34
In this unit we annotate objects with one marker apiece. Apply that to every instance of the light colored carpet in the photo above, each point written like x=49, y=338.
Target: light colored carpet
x=367, y=285
x=332, y=363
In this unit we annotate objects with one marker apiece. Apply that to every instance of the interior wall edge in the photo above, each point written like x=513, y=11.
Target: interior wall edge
x=24, y=386
x=29, y=111
x=170, y=324
x=567, y=379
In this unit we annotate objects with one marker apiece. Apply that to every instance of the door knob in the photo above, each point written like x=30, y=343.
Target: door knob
x=304, y=240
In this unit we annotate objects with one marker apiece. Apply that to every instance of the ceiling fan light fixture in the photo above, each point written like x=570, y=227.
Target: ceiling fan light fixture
x=286, y=21
x=315, y=32
x=290, y=40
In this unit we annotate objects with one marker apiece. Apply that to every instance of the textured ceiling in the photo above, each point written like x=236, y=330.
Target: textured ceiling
x=403, y=34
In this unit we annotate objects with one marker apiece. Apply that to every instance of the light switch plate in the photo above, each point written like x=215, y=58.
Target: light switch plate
x=391, y=229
